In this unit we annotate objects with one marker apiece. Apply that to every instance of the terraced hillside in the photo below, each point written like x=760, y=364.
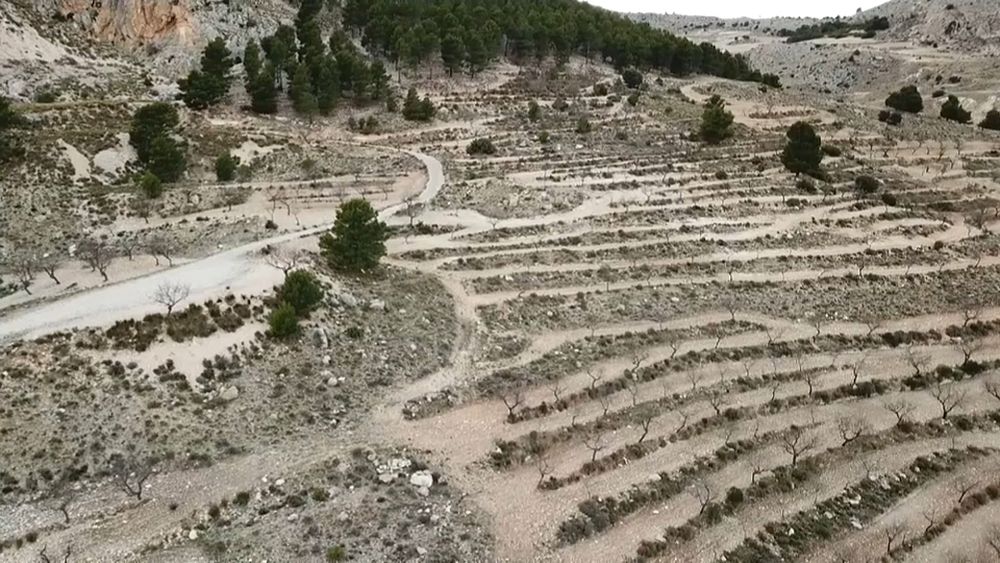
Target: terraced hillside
x=677, y=352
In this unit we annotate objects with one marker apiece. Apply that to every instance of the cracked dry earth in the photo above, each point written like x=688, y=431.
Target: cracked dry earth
x=678, y=364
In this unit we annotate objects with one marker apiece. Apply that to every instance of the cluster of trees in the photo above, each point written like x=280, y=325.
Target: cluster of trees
x=416, y=109
x=716, y=121
x=907, y=99
x=835, y=28
x=315, y=74
x=9, y=120
x=952, y=109
x=469, y=33
x=152, y=135
x=209, y=85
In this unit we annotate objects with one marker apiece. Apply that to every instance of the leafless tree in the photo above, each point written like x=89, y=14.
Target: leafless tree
x=170, y=294
x=758, y=466
x=512, y=400
x=717, y=402
x=24, y=268
x=969, y=347
x=796, y=443
x=773, y=334
x=809, y=376
x=703, y=494
x=851, y=428
x=674, y=347
x=970, y=313
x=962, y=487
x=901, y=408
x=856, y=369
x=595, y=377
x=44, y=557
x=893, y=532
x=97, y=254
x=871, y=468
x=633, y=391
x=993, y=539
x=411, y=209
x=817, y=322
x=595, y=443
x=557, y=388
x=285, y=260
x=775, y=387
x=48, y=262
x=684, y=420
x=694, y=377
x=992, y=387
x=731, y=268
x=644, y=422
x=543, y=468
x=948, y=396
x=158, y=245
x=917, y=360
x=605, y=401
x=930, y=515
x=131, y=475
x=873, y=323
x=128, y=245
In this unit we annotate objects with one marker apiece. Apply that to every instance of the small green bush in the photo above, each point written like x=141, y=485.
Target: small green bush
x=283, y=321
x=481, y=146
x=225, y=168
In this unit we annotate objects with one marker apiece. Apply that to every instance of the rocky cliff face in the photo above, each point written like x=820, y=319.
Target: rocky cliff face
x=131, y=22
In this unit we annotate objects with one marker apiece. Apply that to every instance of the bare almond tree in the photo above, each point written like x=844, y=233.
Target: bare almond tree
x=893, y=532
x=703, y=494
x=97, y=254
x=595, y=443
x=930, y=515
x=512, y=400
x=717, y=402
x=131, y=475
x=644, y=422
x=856, y=368
x=773, y=334
x=543, y=468
x=158, y=245
x=962, y=487
x=918, y=361
x=170, y=294
x=993, y=539
x=901, y=408
x=557, y=389
x=595, y=377
x=605, y=401
x=285, y=260
x=993, y=387
x=44, y=557
x=969, y=347
x=796, y=443
x=851, y=428
x=685, y=416
x=948, y=396
x=24, y=269
x=694, y=377
x=48, y=262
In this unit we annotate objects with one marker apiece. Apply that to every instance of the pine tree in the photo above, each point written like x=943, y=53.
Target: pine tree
x=716, y=121
x=327, y=86
x=208, y=86
x=357, y=241
x=452, y=53
x=303, y=99
x=476, y=55
x=378, y=81
x=251, y=63
x=803, y=152
x=149, y=122
x=166, y=159
x=9, y=120
x=225, y=167
x=263, y=93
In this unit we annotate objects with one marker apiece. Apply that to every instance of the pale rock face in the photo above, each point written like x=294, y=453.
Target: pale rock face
x=134, y=22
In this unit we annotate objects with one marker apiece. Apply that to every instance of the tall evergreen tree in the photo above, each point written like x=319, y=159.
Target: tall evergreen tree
x=715, y=121
x=357, y=241
x=452, y=53
x=301, y=91
x=804, y=149
x=263, y=93
x=208, y=86
x=149, y=122
x=476, y=54
x=251, y=62
x=327, y=86
x=10, y=148
x=166, y=159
